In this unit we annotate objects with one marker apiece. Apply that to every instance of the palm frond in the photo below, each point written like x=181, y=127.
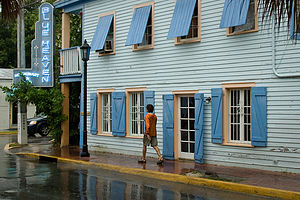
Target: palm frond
x=11, y=8
x=281, y=10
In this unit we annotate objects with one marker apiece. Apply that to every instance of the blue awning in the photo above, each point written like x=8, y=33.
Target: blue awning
x=182, y=17
x=101, y=32
x=234, y=13
x=138, y=25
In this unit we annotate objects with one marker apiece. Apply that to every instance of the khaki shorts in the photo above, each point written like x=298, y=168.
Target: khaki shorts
x=147, y=142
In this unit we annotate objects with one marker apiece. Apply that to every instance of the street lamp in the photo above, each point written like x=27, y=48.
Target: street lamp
x=85, y=55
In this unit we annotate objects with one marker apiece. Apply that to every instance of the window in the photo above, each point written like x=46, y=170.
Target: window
x=186, y=22
x=147, y=40
x=104, y=37
x=252, y=21
x=106, y=113
x=295, y=24
x=194, y=29
x=137, y=114
x=141, y=32
x=239, y=116
x=237, y=128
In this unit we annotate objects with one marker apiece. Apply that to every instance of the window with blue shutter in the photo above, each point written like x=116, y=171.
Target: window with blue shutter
x=234, y=13
x=182, y=18
x=294, y=26
x=217, y=115
x=199, y=120
x=168, y=126
x=118, y=114
x=93, y=112
x=138, y=25
x=104, y=26
x=259, y=116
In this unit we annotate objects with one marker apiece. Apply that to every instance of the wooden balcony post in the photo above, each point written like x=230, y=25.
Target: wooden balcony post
x=65, y=87
x=65, y=30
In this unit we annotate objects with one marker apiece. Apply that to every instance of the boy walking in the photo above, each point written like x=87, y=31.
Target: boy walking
x=150, y=134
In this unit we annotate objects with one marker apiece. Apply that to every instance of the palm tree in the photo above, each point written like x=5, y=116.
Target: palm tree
x=280, y=9
x=11, y=8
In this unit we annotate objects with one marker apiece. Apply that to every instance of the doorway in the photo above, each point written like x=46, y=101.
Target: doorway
x=14, y=114
x=186, y=129
x=74, y=113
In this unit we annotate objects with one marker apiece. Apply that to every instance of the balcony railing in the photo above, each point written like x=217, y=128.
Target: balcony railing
x=70, y=61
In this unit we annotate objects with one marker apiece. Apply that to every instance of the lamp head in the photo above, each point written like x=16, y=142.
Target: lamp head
x=85, y=51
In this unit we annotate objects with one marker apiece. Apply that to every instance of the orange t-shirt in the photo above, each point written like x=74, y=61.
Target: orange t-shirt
x=150, y=124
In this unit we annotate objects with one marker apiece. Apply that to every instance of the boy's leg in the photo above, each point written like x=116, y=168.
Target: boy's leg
x=158, y=152
x=144, y=152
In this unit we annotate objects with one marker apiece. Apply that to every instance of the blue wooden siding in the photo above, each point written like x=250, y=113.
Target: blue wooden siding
x=215, y=60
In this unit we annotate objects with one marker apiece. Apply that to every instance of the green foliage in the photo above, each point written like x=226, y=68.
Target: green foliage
x=8, y=44
x=21, y=91
x=47, y=101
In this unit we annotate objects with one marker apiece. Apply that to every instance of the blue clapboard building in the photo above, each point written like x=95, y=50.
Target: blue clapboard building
x=225, y=86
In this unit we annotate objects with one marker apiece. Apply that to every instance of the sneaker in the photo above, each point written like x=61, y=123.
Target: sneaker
x=160, y=162
x=141, y=161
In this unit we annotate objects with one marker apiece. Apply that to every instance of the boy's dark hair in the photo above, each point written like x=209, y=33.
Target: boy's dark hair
x=150, y=108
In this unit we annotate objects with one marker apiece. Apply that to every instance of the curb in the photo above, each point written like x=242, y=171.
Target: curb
x=236, y=187
x=8, y=133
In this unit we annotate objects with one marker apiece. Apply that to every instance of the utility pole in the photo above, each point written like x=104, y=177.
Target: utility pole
x=22, y=108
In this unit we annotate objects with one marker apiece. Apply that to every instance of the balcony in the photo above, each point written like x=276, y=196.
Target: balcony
x=70, y=61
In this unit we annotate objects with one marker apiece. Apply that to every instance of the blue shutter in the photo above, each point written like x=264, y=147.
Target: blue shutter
x=216, y=115
x=149, y=99
x=168, y=126
x=117, y=190
x=182, y=17
x=199, y=120
x=93, y=112
x=259, y=116
x=293, y=26
x=101, y=32
x=118, y=113
x=138, y=25
x=235, y=13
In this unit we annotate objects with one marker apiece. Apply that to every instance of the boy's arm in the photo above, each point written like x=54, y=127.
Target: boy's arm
x=147, y=126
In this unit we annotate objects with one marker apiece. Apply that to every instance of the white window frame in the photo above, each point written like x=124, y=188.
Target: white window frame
x=106, y=116
x=240, y=107
x=139, y=132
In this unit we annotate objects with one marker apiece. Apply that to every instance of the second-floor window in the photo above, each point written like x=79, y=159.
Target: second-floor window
x=251, y=21
x=104, y=37
x=185, y=26
x=239, y=17
x=141, y=33
x=194, y=27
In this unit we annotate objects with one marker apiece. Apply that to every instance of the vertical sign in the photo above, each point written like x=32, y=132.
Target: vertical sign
x=42, y=50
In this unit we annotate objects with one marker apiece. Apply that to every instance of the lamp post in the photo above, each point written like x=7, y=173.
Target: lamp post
x=85, y=54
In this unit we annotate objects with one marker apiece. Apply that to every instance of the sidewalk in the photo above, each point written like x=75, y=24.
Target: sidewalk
x=275, y=184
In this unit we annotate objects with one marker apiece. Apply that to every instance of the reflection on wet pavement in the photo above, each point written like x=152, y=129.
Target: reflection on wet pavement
x=25, y=178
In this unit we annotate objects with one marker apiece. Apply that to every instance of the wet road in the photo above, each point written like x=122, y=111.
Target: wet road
x=25, y=178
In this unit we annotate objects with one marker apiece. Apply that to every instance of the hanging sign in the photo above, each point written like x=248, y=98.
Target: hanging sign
x=42, y=50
